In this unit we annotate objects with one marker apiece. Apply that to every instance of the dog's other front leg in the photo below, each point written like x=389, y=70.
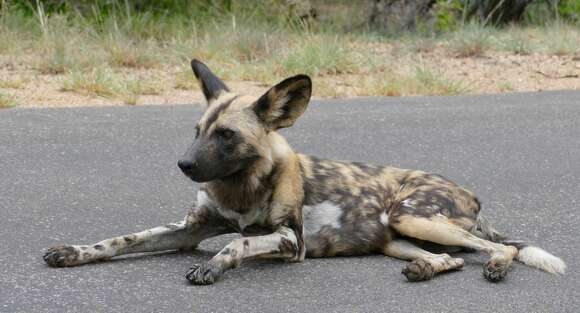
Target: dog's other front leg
x=282, y=244
x=201, y=223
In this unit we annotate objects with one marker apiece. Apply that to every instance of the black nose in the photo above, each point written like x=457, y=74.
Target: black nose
x=186, y=165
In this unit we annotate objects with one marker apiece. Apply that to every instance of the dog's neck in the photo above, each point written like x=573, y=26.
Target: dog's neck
x=252, y=187
x=245, y=190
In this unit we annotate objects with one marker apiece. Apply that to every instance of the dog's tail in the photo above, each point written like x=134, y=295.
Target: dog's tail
x=529, y=255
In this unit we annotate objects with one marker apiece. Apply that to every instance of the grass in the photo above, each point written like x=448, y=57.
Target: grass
x=99, y=82
x=505, y=86
x=124, y=52
x=96, y=53
x=6, y=102
x=132, y=88
x=319, y=56
x=103, y=82
x=15, y=83
x=433, y=83
x=562, y=39
x=185, y=81
x=422, y=81
x=471, y=41
x=556, y=38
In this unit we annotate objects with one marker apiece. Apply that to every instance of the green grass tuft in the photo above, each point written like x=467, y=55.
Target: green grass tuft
x=99, y=82
x=433, y=83
x=6, y=102
x=319, y=56
x=470, y=41
x=104, y=82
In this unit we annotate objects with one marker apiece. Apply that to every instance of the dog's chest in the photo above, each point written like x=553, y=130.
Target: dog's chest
x=246, y=221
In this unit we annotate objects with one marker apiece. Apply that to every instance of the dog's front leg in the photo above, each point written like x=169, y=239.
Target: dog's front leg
x=201, y=223
x=282, y=244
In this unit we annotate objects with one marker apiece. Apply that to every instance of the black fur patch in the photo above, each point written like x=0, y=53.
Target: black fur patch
x=211, y=85
x=287, y=247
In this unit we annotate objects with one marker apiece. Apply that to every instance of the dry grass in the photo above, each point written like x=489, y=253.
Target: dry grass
x=185, y=81
x=423, y=81
x=99, y=82
x=104, y=82
x=108, y=58
x=561, y=39
x=14, y=83
x=505, y=86
x=124, y=52
x=6, y=102
x=471, y=41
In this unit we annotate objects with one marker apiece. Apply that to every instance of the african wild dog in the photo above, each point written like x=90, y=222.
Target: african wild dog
x=288, y=205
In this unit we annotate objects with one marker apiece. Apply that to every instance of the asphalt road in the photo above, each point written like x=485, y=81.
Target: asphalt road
x=81, y=175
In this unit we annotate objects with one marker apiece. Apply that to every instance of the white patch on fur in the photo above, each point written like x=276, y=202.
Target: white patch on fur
x=277, y=107
x=243, y=220
x=385, y=218
x=279, y=148
x=320, y=215
x=539, y=258
x=408, y=203
x=204, y=200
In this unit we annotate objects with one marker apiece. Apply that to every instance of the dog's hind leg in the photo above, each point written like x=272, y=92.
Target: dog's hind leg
x=424, y=264
x=197, y=226
x=441, y=230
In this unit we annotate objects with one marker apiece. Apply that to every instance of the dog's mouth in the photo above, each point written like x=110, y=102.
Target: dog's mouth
x=199, y=177
x=232, y=176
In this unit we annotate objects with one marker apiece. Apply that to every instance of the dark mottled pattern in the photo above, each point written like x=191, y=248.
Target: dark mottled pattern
x=231, y=252
x=361, y=192
x=287, y=247
x=99, y=247
x=364, y=192
x=426, y=195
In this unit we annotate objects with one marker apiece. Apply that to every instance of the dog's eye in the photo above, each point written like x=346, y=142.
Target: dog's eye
x=225, y=133
x=196, y=131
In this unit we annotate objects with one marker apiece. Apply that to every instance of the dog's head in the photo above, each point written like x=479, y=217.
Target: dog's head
x=231, y=135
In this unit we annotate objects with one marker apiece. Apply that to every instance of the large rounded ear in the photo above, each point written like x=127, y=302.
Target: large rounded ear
x=211, y=85
x=284, y=103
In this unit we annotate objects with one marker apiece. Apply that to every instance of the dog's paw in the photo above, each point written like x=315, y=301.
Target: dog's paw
x=61, y=256
x=418, y=270
x=203, y=274
x=494, y=271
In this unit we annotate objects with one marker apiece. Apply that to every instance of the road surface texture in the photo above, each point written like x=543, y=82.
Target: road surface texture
x=82, y=175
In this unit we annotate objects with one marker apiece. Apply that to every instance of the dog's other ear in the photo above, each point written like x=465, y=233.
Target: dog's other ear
x=284, y=103
x=211, y=85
